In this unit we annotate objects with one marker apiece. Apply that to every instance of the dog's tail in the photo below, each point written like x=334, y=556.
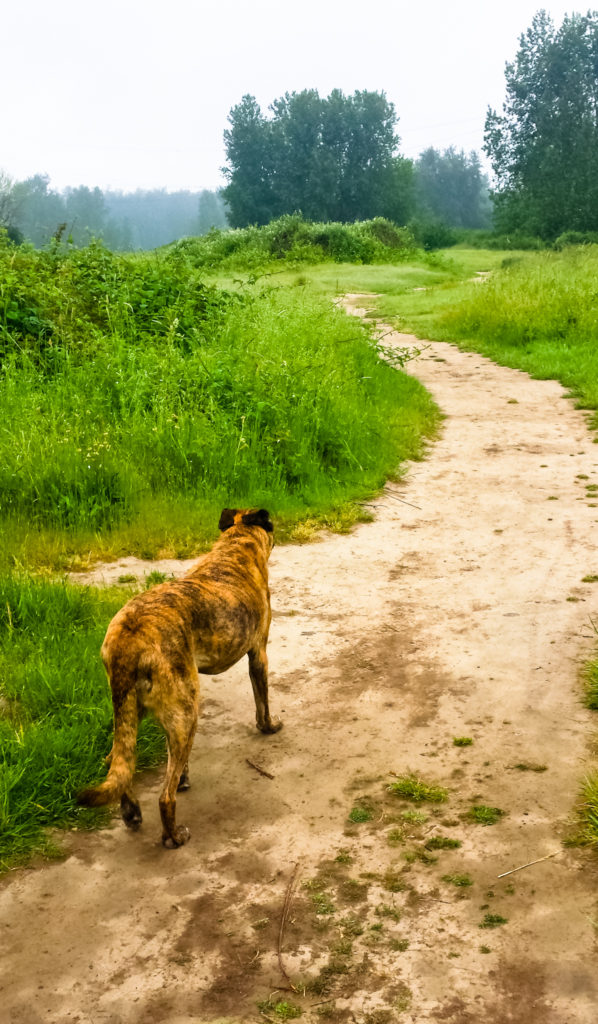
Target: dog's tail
x=122, y=764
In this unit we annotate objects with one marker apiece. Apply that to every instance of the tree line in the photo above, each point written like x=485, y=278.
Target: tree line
x=31, y=210
x=337, y=158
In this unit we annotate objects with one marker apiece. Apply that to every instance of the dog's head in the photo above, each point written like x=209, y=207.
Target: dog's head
x=245, y=517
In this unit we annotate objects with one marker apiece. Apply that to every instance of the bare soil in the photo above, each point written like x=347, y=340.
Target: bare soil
x=460, y=612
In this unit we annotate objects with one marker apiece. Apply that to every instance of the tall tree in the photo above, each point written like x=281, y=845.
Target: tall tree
x=544, y=145
x=451, y=187
x=331, y=159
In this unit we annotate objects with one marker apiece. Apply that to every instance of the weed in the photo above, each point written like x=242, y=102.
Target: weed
x=343, y=857
x=591, y=686
x=399, y=945
x=385, y=911
x=462, y=741
x=154, y=577
x=481, y=814
x=588, y=814
x=393, y=881
x=395, y=837
x=461, y=881
x=351, y=926
x=493, y=921
x=282, y=1010
x=442, y=843
x=128, y=577
x=319, y=897
x=589, y=579
x=359, y=815
x=485, y=949
x=529, y=766
x=415, y=817
x=409, y=787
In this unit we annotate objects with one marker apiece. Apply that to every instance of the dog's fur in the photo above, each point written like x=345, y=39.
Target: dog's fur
x=159, y=643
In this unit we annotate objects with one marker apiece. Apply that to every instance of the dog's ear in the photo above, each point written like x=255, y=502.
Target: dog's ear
x=227, y=518
x=259, y=518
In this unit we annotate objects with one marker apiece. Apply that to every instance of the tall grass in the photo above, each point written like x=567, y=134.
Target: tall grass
x=55, y=710
x=127, y=425
x=539, y=314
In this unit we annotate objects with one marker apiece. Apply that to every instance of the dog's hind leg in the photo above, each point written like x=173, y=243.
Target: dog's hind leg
x=179, y=721
x=184, y=781
x=258, y=673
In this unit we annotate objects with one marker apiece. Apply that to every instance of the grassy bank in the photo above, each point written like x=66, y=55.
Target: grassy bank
x=535, y=312
x=139, y=400
x=55, y=709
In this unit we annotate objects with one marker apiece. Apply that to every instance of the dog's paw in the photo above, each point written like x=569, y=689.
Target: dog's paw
x=180, y=836
x=131, y=812
x=274, y=725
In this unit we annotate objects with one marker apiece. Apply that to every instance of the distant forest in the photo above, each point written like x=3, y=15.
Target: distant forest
x=30, y=210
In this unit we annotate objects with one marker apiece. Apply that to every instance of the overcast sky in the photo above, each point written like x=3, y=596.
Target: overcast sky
x=135, y=93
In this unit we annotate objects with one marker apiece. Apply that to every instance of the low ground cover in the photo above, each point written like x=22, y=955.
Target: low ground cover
x=55, y=709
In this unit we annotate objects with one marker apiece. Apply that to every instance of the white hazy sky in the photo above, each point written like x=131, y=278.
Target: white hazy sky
x=135, y=94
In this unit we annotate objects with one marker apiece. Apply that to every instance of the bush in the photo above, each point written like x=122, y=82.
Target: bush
x=433, y=234
x=293, y=239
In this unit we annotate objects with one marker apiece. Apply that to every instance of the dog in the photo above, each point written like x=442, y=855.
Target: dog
x=158, y=645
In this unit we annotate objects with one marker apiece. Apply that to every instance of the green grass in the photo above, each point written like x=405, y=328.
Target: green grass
x=409, y=787
x=493, y=921
x=128, y=426
x=55, y=709
x=535, y=312
x=481, y=814
x=460, y=881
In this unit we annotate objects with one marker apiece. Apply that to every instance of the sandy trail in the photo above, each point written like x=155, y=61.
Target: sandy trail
x=463, y=616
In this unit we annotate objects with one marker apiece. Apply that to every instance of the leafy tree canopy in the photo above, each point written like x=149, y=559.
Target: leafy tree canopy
x=544, y=144
x=333, y=158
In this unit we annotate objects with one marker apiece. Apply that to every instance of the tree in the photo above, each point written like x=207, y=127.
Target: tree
x=212, y=213
x=544, y=145
x=85, y=213
x=40, y=210
x=451, y=187
x=249, y=194
x=330, y=159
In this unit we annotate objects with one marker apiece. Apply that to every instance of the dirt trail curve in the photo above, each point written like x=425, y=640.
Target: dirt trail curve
x=462, y=613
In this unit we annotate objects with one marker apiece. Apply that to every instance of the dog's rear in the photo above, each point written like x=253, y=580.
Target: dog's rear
x=159, y=642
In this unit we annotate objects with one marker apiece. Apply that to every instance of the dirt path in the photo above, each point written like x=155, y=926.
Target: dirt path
x=461, y=614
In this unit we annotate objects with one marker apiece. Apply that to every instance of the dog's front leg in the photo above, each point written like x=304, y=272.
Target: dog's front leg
x=258, y=673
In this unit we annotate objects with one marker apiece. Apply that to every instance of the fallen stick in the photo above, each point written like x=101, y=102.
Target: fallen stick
x=390, y=494
x=283, y=920
x=529, y=864
x=262, y=771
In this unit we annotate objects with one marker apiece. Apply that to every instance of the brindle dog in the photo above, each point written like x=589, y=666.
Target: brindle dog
x=161, y=641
